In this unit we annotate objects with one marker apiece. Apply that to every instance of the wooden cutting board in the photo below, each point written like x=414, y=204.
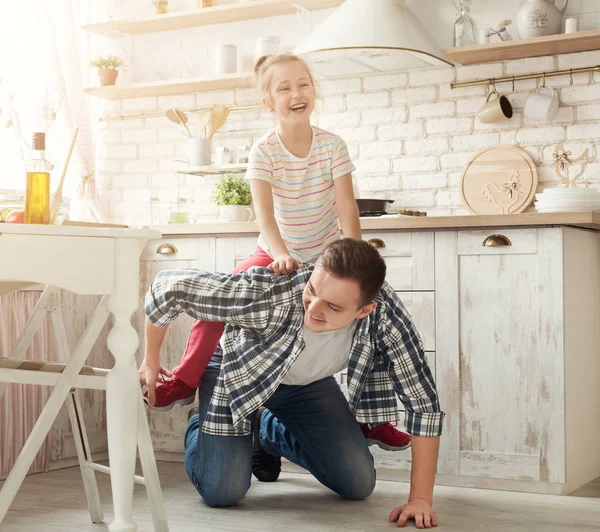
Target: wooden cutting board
x=499, y=180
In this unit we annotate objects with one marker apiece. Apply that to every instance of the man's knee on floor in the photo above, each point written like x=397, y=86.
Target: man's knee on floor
x=358, y=487
x=223, y=494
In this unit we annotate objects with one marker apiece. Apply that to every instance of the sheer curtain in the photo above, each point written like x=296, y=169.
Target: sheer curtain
x=41, y=89
x=22, y=404
x=42, y=51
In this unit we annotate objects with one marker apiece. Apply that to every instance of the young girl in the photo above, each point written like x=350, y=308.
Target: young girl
x=301, y=182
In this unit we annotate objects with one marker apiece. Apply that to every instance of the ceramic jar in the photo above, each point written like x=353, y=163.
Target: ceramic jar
x=537, y=18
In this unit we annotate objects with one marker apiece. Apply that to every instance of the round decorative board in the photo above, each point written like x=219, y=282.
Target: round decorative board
x=499, y=180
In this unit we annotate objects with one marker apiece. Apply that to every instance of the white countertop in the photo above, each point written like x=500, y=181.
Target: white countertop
x=585, y=220
x=88, y=230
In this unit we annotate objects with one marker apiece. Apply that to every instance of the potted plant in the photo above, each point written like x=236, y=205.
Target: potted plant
x=234, y=198
x=108, y=68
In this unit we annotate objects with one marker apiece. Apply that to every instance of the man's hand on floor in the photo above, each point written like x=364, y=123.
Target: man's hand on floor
x=149, y=374
x=417, y=509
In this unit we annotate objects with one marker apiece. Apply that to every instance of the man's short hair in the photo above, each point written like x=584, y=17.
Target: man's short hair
x=356, y=260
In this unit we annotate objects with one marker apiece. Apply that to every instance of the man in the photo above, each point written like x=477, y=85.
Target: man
x=273, y=393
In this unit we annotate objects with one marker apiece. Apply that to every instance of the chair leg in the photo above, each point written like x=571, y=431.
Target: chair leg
x=150, y=472
x=85, y=458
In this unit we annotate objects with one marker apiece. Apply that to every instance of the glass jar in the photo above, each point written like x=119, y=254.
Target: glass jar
x=241, y=155
x=179, y=212
x=465, y=32
x=151, y=213
x=63, y=212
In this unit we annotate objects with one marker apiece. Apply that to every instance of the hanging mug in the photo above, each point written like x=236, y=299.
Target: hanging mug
x=498, y=109
x=542, y=107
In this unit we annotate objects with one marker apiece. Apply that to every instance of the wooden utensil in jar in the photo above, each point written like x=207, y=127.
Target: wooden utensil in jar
x=179, y=117
x=218, y=116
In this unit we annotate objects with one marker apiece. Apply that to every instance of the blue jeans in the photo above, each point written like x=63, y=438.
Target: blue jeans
x=312, y=426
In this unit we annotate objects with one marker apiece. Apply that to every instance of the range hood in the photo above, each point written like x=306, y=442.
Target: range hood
x=364, y=37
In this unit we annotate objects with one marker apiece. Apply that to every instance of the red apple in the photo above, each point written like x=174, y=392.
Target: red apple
x=15, y=217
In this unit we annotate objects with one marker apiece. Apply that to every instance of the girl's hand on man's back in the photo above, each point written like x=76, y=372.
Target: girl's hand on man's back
x=284, y=264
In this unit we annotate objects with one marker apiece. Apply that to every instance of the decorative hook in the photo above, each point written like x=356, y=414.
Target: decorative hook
x=544, y=80
x=493, y=85
x=570, y=76
x=513, y=84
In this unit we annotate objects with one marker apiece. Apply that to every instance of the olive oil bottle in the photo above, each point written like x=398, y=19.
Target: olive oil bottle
x=37, y=199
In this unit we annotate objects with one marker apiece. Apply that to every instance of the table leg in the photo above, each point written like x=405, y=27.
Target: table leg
x=122, y=385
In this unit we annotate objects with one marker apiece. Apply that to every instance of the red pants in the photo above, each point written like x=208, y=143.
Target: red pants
x=205, y=335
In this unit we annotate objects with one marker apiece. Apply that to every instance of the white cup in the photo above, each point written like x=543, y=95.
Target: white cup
x=199, y=152
x=235, y=213
x=571, y=25
x=224, y=59
x=542, y=105
x=266, y=46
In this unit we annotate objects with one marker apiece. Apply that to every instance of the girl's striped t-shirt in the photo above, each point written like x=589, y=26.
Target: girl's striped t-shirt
x=303, y=194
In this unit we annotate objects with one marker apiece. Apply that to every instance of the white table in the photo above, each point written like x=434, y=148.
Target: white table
x=96, y=261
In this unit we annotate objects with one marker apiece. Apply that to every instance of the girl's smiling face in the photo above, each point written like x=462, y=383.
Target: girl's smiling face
x=291, y=95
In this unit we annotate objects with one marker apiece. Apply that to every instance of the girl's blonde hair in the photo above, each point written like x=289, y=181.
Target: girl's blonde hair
x=263, y=68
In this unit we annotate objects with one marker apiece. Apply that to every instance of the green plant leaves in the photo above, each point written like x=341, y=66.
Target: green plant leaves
x=233, y=190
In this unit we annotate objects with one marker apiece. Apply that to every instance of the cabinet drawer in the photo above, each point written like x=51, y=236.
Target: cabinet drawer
x=498, y=242
x=409, y=258
x=171, y=249
x=200, y=251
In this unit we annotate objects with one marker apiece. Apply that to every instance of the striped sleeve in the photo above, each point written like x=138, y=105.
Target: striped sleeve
x=341, y=164
x=260, y=165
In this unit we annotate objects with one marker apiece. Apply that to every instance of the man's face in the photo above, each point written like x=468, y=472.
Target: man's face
x=331, y=303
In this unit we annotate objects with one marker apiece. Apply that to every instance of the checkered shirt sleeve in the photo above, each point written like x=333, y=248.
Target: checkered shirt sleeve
x=245, y=299
x=402, y=350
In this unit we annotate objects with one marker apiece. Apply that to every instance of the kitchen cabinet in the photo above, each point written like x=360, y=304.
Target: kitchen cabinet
x=517, y=356
x=509, y=331
x=167, y=428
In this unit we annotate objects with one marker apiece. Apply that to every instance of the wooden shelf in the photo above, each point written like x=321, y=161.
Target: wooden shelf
x=209, y=15
x=172, y=87
x=213, y=169
x=582, y=41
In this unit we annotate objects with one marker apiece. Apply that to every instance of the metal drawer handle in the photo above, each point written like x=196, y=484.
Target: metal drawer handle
x=166, y=249
x=496, y=240
x=376, y=243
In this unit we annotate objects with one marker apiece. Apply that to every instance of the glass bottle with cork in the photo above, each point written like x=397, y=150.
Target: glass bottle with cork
x=37, y=199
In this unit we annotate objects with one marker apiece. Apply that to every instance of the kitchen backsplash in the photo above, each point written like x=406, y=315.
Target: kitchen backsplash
x=410, y=135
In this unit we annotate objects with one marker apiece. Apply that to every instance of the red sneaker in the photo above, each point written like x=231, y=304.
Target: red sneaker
x=170, y=393
x=386, y=437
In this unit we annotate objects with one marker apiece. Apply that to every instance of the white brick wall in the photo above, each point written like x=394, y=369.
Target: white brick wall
x=410, y=135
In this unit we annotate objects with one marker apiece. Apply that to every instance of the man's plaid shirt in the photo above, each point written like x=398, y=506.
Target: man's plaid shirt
x=264, y=316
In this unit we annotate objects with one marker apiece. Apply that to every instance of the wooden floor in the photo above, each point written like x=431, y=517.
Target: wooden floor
x=296, y=502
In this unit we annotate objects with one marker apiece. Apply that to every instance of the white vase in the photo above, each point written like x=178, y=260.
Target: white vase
x=537, y=18
x=235, y=213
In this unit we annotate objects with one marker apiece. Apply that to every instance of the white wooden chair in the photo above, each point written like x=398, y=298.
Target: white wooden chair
x=66, y=379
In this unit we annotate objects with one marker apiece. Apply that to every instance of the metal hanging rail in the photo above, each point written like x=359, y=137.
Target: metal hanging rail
x=513, y=79
x=140, y=116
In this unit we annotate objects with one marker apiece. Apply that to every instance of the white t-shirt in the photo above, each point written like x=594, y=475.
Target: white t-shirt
x=303, y=194
x=324, y=354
